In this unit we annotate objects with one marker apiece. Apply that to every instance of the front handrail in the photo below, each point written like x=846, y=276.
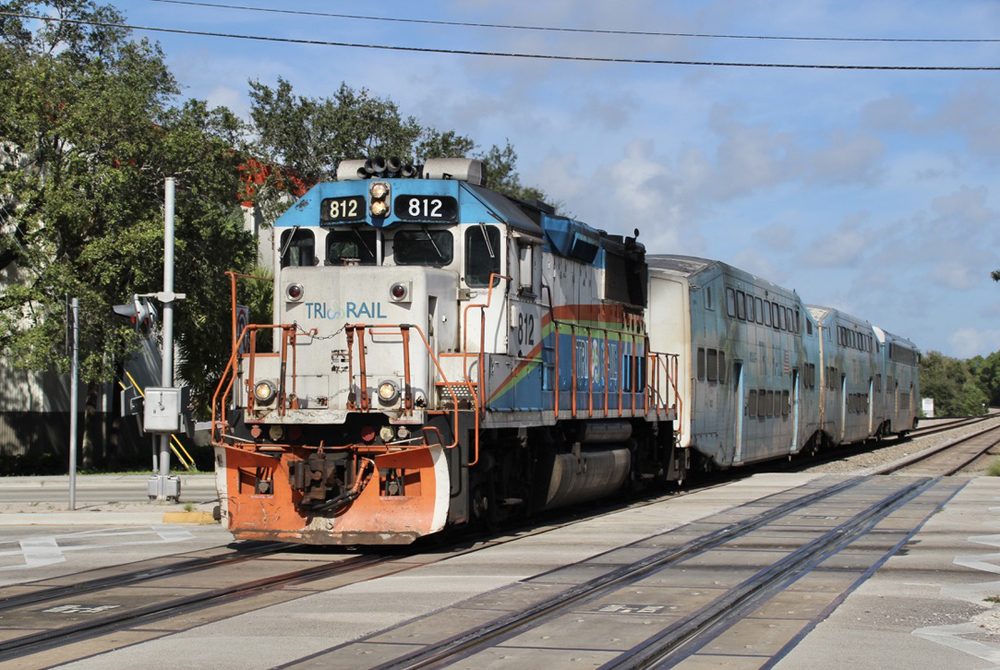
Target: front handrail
x=403, y=329
x=229, y=374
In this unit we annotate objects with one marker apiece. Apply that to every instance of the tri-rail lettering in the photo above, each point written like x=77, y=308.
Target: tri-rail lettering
x=351, y=310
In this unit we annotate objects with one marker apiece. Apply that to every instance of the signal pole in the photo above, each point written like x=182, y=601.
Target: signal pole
x=167, y=369
x=164, y=408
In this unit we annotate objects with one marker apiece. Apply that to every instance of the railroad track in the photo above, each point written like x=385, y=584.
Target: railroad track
x=97, y=608
x=105, y=615
x=948, y=458
x=949, y=424
x=807, y=539
x=144, y=571
x=49, y=643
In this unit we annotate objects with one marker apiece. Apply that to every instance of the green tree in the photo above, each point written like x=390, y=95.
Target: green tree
x=308, y=137
x=987, y=372
x=85, y=113
x=952, y=384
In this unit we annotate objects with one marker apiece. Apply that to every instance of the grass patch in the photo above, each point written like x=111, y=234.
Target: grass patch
x=992, y=599
x=994, y=469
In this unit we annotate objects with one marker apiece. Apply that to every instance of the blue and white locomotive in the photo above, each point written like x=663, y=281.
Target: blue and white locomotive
x=441, y=354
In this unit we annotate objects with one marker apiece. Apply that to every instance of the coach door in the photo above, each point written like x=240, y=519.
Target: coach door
x=795, y=411
x=740, y=409
x=871, y=407
x=843, y=408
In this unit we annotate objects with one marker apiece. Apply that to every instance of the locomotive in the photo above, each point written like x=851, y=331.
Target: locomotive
x=441, y=354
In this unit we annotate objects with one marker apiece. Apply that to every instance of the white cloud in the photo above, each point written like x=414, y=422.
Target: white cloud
x=844, y=247
x=967, y=342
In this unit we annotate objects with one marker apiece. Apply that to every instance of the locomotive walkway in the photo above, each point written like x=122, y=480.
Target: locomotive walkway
x=930, y=604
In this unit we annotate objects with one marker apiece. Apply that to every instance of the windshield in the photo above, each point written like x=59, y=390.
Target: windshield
x=351, y=246
x=423, y=247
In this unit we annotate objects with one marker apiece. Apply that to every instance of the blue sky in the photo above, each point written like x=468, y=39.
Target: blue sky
x=874, y=192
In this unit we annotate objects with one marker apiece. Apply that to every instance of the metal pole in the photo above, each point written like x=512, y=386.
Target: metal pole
x=167, y=371
x=73, y=403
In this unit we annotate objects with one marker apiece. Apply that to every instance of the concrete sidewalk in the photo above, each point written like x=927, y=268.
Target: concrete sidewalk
x=102, y=500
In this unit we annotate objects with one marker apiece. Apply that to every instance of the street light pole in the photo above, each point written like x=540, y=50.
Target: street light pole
x=74, y=401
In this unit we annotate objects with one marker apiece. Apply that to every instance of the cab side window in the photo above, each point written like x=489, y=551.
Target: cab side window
x=482, y=255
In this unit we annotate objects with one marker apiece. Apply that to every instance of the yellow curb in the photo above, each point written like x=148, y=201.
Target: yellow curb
x=188, y=517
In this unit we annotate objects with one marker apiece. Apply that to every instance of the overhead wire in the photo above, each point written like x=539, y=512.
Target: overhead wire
x=589, y=31
x=503, y=54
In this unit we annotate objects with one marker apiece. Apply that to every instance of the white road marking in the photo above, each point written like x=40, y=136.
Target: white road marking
x=41, y=551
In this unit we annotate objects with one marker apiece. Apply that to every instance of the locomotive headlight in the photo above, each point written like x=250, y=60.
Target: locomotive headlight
x=264, y=391
x=388, y=392
x=294, y=292
x=380, y=194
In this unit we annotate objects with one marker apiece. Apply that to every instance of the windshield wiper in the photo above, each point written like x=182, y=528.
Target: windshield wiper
x=430, y=237
x=364, y=244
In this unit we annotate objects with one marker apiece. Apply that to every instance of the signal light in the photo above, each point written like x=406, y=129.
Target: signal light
x=294, y=292
x=140, y=311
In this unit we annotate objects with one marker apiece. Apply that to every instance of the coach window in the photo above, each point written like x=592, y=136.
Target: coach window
x=709, y=303
x=713, y=365
x=350, y=247
x=786, y=403
x=752, y=404
x=741, y=306
x=760, y=309
x=722, y=366
x=298, y=248
x=751, y=312
x=730, y=302
x=767, y=313
x=424, y=247
x=482, y=255
x=701, y=363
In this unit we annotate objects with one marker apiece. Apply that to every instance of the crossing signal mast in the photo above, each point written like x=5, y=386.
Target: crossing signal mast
x=165, y=407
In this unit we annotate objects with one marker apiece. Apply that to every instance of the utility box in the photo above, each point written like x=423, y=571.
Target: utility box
x=171, y=488
x=166, y=410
